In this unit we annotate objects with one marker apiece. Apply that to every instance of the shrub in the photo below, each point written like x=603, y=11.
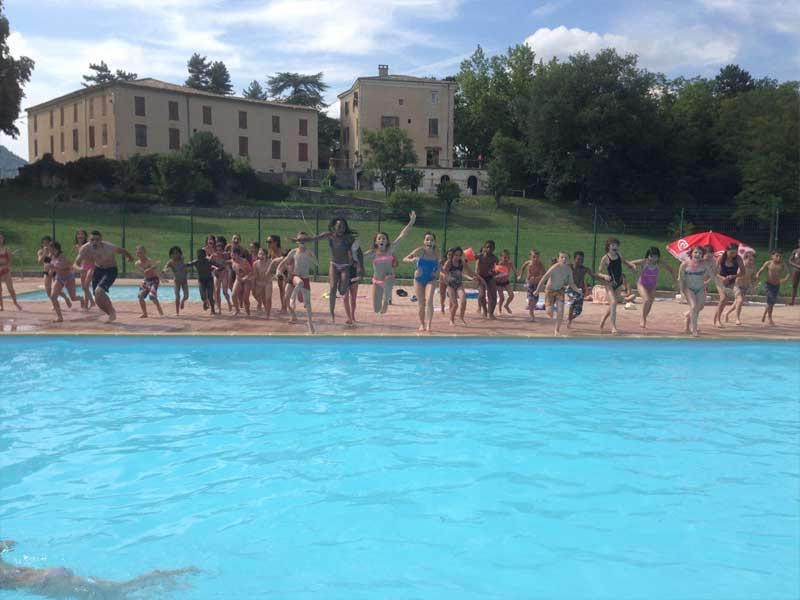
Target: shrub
x=176, y=176
x=400, y=204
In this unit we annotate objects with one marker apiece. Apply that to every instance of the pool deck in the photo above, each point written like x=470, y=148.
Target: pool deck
x=665, y=321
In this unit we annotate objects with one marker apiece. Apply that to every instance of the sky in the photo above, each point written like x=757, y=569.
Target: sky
x=346, y=39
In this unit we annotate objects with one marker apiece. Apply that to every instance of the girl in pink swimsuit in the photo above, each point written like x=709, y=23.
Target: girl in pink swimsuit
x=648, y=280
x=5, y=273
x=383, y=264
x=87, y=268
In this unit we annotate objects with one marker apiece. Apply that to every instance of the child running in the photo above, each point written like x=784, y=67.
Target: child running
x=384, y=262
x=776, y=275
x=555, y=282
x=6, y=258
x=262, y=280
x=610, y=272
x=579, y=273
x=693, y=276
x=443, y=278
x=177, y=267
x=454, y=270
x=503, y=271
x=81, y=238
x=205, y=279
x=63, y=278
x=794, y=261
x=532, y=271
x=487, y=291
x=340, y=238
x=356, y=273
x=745, y=281
x=149, y=287
x=220, y=260
x=426, y=258
x=243, y=282
x=728, y=268
x=648, y=280
x=302, y=260
x=43, y=256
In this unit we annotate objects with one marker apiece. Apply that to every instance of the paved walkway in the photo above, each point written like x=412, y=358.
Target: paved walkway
x=401, y=320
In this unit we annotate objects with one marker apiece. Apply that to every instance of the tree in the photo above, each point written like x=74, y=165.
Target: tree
x=254, y=91
x=499, y=183
x=303, y=90
x=219, y=80
x=388, y=151
x=410, y=179
x=209, y=157
x=329, y=137
x=102, y=74
x=732, y=80
x=448, y=193
x=14, y=74
x=199, y=72
x=507, y=167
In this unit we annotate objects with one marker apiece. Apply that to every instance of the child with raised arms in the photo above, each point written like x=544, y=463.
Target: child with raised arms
x=149, y=287
x=177, y=268
x=384, y=262
x=555, y=282
x=426, y=258
x=301, y=260
x=532, y=271
x=776, y=275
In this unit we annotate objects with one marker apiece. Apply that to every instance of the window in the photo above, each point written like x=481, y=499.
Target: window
x=74, y=140
x=346, y=108
x=355, y=99
x=35, y=124
x=434, y=97
x=303, y=126
x=51, y=119
x=276, y=124
x=138, y=106
x=390, y=122
x=141, y=135
x=243, y=150
x=91, y=136
x=103, y=106
x=173, y=111
x=51, y=145
x=174, y=139
x=346, y=136
x=242, y=119
x=400, y=101
x=61, y=142
x=75, y=113
x=206, y=115
x=61, y=116
x=433, y=127
x=276, y=149
x=91, y=108
x=36, y=147
x=104, y=135
x=432, y=157
x=302, y=152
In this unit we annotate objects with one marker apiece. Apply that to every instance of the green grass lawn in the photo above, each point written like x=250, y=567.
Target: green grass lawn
x=25, y=218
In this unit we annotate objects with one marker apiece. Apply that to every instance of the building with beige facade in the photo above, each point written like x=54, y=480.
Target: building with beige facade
x=421, y=107
x=117, y=120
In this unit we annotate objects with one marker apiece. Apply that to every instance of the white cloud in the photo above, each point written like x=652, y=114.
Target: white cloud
x=665, y=50
x=548, y=8
x=780, y=15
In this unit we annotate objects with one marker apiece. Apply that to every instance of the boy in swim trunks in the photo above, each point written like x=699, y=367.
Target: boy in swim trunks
x=102, y=255
x=555, y=281
x=205, y=279
x=532, y=271
x=177, y=267
x=149, y=287
x=742, y=286
x=487, y=290
x=301, y=259
x=775, y=270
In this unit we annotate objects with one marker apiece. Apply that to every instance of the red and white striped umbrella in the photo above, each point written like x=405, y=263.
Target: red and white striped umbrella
x=718, y=241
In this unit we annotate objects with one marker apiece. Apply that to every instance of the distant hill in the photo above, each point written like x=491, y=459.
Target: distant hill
x=10, y=163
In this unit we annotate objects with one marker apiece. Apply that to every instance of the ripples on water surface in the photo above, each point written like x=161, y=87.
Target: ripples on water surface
x=407, y=468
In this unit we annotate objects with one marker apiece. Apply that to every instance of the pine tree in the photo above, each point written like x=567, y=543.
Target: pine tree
x=14, y=74
x=304, y=90
x=254, y=91
x=199, y=72
x=219, y=79
x=102, y=74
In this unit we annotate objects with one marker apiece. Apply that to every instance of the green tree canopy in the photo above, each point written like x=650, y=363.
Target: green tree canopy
x=209, y=158
x=199, y=72
x=732, y=80
x=219, y=80
x=387, y=152
x=14, y=74
x=298, y=89
x=102, y=74
x=254, y=91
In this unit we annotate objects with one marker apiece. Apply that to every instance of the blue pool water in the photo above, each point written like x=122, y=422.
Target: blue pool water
x=166, y=292
x=401, y=469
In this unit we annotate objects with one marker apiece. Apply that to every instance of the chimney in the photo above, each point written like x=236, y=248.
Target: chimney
x=383, y=70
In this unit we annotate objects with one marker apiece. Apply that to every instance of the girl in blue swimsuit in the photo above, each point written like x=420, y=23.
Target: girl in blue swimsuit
x=426, y=258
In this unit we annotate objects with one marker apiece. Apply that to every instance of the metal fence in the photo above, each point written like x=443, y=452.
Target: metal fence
x=517, y=226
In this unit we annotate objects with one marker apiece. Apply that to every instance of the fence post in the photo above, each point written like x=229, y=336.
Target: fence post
x=316, y=242
x=191, y=233
x=259, y=226
x=681, y=229
x=594, y=247
x=122, y=258
x=53, y=218
x=444, y=243
x=516, y=244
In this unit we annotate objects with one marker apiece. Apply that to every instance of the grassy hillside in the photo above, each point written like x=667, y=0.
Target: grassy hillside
x=24, y=217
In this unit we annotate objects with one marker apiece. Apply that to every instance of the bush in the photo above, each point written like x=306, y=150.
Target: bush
x=203, y=190
x=400, y=204
x=91, y=171
x=246, y=182
x=175, y=178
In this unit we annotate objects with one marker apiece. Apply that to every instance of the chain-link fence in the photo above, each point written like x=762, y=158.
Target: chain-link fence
x=517, y=226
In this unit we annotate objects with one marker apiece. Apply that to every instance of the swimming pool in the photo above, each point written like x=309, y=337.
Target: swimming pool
x=400, y=469
x=166, y=292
